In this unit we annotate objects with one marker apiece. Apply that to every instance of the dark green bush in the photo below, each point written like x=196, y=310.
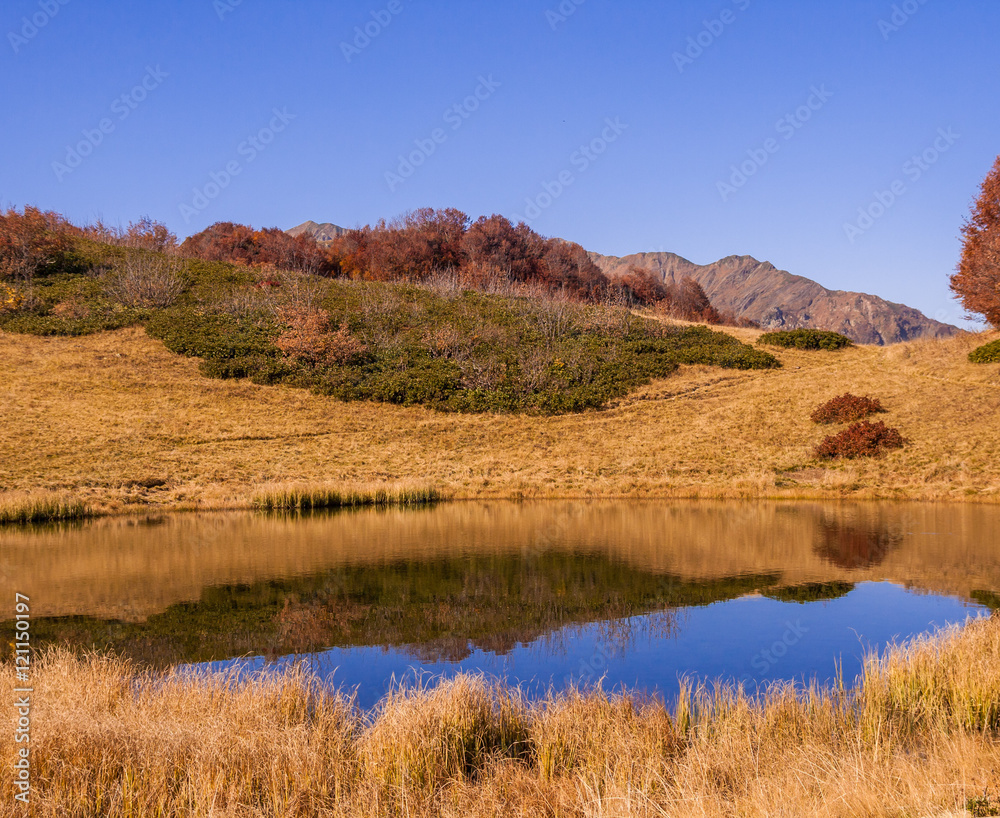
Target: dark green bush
x=986, y=354
x=34, y=324
x=188, y=331
x=805, y=339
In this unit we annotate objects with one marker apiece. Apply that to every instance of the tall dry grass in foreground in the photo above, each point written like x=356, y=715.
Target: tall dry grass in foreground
x=917, y=738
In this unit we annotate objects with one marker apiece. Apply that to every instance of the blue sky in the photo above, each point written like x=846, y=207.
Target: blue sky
x=841, y=141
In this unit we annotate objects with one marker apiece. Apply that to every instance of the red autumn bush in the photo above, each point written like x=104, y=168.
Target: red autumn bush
x=308, y=337
x=846, y=408
x=861, y=439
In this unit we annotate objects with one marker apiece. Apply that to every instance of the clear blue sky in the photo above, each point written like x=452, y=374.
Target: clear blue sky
x=690, y=89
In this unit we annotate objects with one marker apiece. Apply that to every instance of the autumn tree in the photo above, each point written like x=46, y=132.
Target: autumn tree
x=489, y=252
x=567, y=268
x=642, y=287
x=495, y=244
x=691, y=301
x=241, y=244
x=977, y=282
x=31, y=242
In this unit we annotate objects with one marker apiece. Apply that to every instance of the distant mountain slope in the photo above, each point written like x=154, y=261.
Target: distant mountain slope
x=321, y=232
x=779, y=300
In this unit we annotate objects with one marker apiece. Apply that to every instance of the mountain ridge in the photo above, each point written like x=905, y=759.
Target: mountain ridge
x=777, y=299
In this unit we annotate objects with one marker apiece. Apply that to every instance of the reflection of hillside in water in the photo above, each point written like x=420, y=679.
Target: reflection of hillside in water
x=468, y=576
x=850, y=545
x=439, y=609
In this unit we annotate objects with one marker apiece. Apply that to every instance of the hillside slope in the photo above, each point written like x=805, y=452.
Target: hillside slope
x=121, y=400
x=776, y=299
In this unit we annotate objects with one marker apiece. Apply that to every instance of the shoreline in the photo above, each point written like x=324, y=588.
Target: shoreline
x=11, y=514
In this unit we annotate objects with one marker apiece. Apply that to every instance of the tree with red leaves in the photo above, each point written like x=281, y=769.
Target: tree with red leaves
x=642, y=286
x=31, y=242
x=494, y=244
x=239, y=243
x=977, y=282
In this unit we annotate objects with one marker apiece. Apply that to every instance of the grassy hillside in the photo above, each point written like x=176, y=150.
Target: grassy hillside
x=436, y=344
x=165, y=435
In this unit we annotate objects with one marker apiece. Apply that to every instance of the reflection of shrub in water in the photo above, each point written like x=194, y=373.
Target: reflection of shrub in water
x=989, y=599
x=854, y=546
x=811, y=592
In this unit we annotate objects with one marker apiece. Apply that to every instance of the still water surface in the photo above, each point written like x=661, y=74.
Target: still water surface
x=632, y=594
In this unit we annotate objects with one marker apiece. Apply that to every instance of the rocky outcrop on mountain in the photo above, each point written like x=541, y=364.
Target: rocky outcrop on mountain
x=321, y=232
x=776, y=299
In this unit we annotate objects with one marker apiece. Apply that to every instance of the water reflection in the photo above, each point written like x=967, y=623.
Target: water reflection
x=851, y=545
x=482, y=583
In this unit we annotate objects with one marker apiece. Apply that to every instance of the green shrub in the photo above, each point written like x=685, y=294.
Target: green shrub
x=805, y=339
x=53, y=325
x=213, y=336
x=986, y=354
x=862, y=439
x=846, y=408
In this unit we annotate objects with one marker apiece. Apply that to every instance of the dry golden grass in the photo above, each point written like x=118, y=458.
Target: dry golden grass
x=310, y=497
x=108, y=417
x=918, y=737
x=41, y=507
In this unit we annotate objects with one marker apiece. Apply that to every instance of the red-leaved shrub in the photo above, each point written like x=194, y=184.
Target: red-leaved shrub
x=308, y=337
x=846, y=408
x=861, y=439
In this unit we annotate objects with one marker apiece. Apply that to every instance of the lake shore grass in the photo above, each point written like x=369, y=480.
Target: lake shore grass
x=918, y=736
x=42, y=508
x=167, y=438
x=315, y=497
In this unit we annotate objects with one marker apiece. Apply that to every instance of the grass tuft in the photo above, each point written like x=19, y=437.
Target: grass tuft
x=311, y=497
x=44, y=509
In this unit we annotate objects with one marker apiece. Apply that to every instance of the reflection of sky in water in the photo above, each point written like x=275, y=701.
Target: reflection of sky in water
x=752, y=639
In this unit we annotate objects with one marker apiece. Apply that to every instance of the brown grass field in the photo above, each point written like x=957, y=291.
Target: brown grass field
x=117, y=421
x=917, y=738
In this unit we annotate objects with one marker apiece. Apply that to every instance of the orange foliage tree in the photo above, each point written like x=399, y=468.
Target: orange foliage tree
x=977, y=282
x=239, y=243
x=31, y=242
